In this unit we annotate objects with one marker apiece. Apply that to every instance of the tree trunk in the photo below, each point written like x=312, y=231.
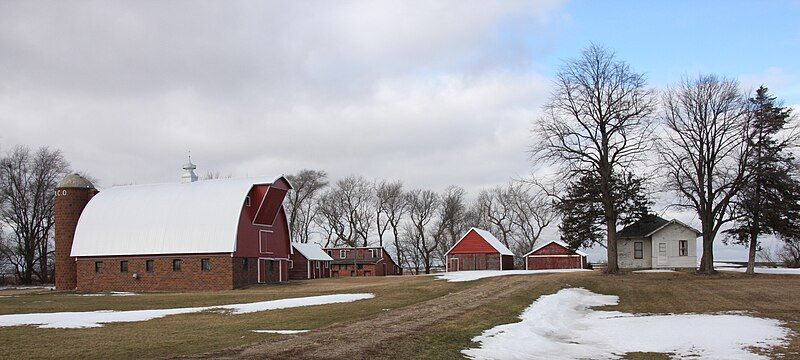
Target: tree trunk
x=751, y=256
x=707, y=261
x=611, y=246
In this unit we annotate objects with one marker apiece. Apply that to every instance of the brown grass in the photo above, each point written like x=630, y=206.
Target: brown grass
x=774, y=296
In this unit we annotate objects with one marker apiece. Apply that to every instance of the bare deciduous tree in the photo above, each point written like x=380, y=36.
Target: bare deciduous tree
x=422, y=209
x=391, y=208
x=27, y=190
x=301, y=202
x=452, y=219
x=596, y=121
x=346, y=213
x=495, y=206
x=705, y=151
x=532, y=212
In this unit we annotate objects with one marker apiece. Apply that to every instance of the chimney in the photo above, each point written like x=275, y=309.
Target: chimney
x=188, y=172
x=72, y=195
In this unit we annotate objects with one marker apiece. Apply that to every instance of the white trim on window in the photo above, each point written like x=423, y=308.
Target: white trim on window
x=262, y=241
x=342, y=254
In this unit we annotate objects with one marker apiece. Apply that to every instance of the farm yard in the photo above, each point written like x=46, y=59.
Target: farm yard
x=409, y=317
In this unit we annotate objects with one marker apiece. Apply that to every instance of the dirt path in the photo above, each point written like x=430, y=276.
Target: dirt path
x=351, y=339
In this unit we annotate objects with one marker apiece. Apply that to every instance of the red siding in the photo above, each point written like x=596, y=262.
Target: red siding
x=553, y=249
x=554, y=262
x=278, y=244
x=473, y=243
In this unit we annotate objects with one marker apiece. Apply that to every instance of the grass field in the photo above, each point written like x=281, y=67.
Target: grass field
x=409, y=301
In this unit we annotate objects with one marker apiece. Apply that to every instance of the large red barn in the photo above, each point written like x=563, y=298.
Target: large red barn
x=197, y=235
x=554, y=255
x=479, y=250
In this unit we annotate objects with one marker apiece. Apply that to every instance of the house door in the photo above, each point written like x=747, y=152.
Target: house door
x=662, y=254
x=453, y=264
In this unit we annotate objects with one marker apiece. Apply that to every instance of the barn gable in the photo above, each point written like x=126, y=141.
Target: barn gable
x=477, y=241
x=555, y=247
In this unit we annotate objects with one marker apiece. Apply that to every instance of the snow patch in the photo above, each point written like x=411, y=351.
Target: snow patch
x=112, y=293
x=43, y=287
x=655, y=271
x=85, y=319
x=563, y=326
x=724, y=264
x=461, y=276
x=282, y=332
x=763, y=270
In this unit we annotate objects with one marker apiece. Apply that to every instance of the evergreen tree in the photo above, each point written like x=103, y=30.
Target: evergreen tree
x=770, y=202
x=583, y=220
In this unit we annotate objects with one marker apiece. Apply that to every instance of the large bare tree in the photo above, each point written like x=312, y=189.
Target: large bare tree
x=422, y=210
x=346, y=211
x=301, y=202
x=391, y=209
x=452, y=219
x=27, y=189
x=705, y=151
x=597, y=120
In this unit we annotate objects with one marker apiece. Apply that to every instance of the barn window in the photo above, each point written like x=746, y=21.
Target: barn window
x=326, y=264
x=98, y=267
x=205, y=264
x=264, y=241
x=176, y=264
x=683, y=248
x=123, y=266
x=247, y=201
x=360, y=266
x=317, y=263
x=290, y=264
x=373, y=253
x=245, y=264
x=150, y=265
x=638, y=248
x=342, y=254
x=330, y=253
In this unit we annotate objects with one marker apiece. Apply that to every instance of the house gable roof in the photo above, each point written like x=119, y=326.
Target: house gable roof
x=311, y=251
x=559, y=243
x=648, y=226
x=175, y=218
x=489, y=238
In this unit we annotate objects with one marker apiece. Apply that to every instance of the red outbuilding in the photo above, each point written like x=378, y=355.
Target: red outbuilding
x=479, y=250
x=554, y=255
x=309, y=261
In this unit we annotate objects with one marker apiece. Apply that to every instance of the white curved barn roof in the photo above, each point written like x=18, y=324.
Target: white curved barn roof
x=197, y=217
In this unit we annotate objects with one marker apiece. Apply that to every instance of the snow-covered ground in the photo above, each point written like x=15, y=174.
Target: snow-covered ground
x=112, y=293
x=86, y=319
x=763, y=270
x=459, y=276
x=563, y=326
x=28, y=287
x=723, y=264
x=655, y=271
x=282, y=332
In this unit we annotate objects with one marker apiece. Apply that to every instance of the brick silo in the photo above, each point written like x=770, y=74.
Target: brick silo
x=72, y=195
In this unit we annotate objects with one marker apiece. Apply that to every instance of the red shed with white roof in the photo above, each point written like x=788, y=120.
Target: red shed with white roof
x=479, y=250
x=554, y=254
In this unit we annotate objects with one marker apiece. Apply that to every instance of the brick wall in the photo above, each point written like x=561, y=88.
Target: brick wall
x=346, y=270
x=226, y=273
x=69, y=204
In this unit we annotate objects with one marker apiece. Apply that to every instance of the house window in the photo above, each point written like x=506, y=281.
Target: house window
x=98, y=267
x=330, y=253
x=150, y=265
x=245, y=264
x=342, y=254
x=176, y=264
x=205, y=264
x=290, y=264
x=638, y=250
x=373, y=253
x=247, y=201
x=123, y=266
x=683, y=248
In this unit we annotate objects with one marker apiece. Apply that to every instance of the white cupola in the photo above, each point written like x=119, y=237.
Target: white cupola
x=188, y=172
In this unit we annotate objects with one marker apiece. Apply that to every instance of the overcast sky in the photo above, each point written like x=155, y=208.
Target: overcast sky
x=433, y=93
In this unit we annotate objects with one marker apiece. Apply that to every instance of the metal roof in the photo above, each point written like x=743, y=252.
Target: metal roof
x=648, y=226
x=493, y=241
x=183, y=218
x=558, y=242
x=311, y=251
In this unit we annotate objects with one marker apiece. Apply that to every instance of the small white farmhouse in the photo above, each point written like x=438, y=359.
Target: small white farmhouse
x=657, y=243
